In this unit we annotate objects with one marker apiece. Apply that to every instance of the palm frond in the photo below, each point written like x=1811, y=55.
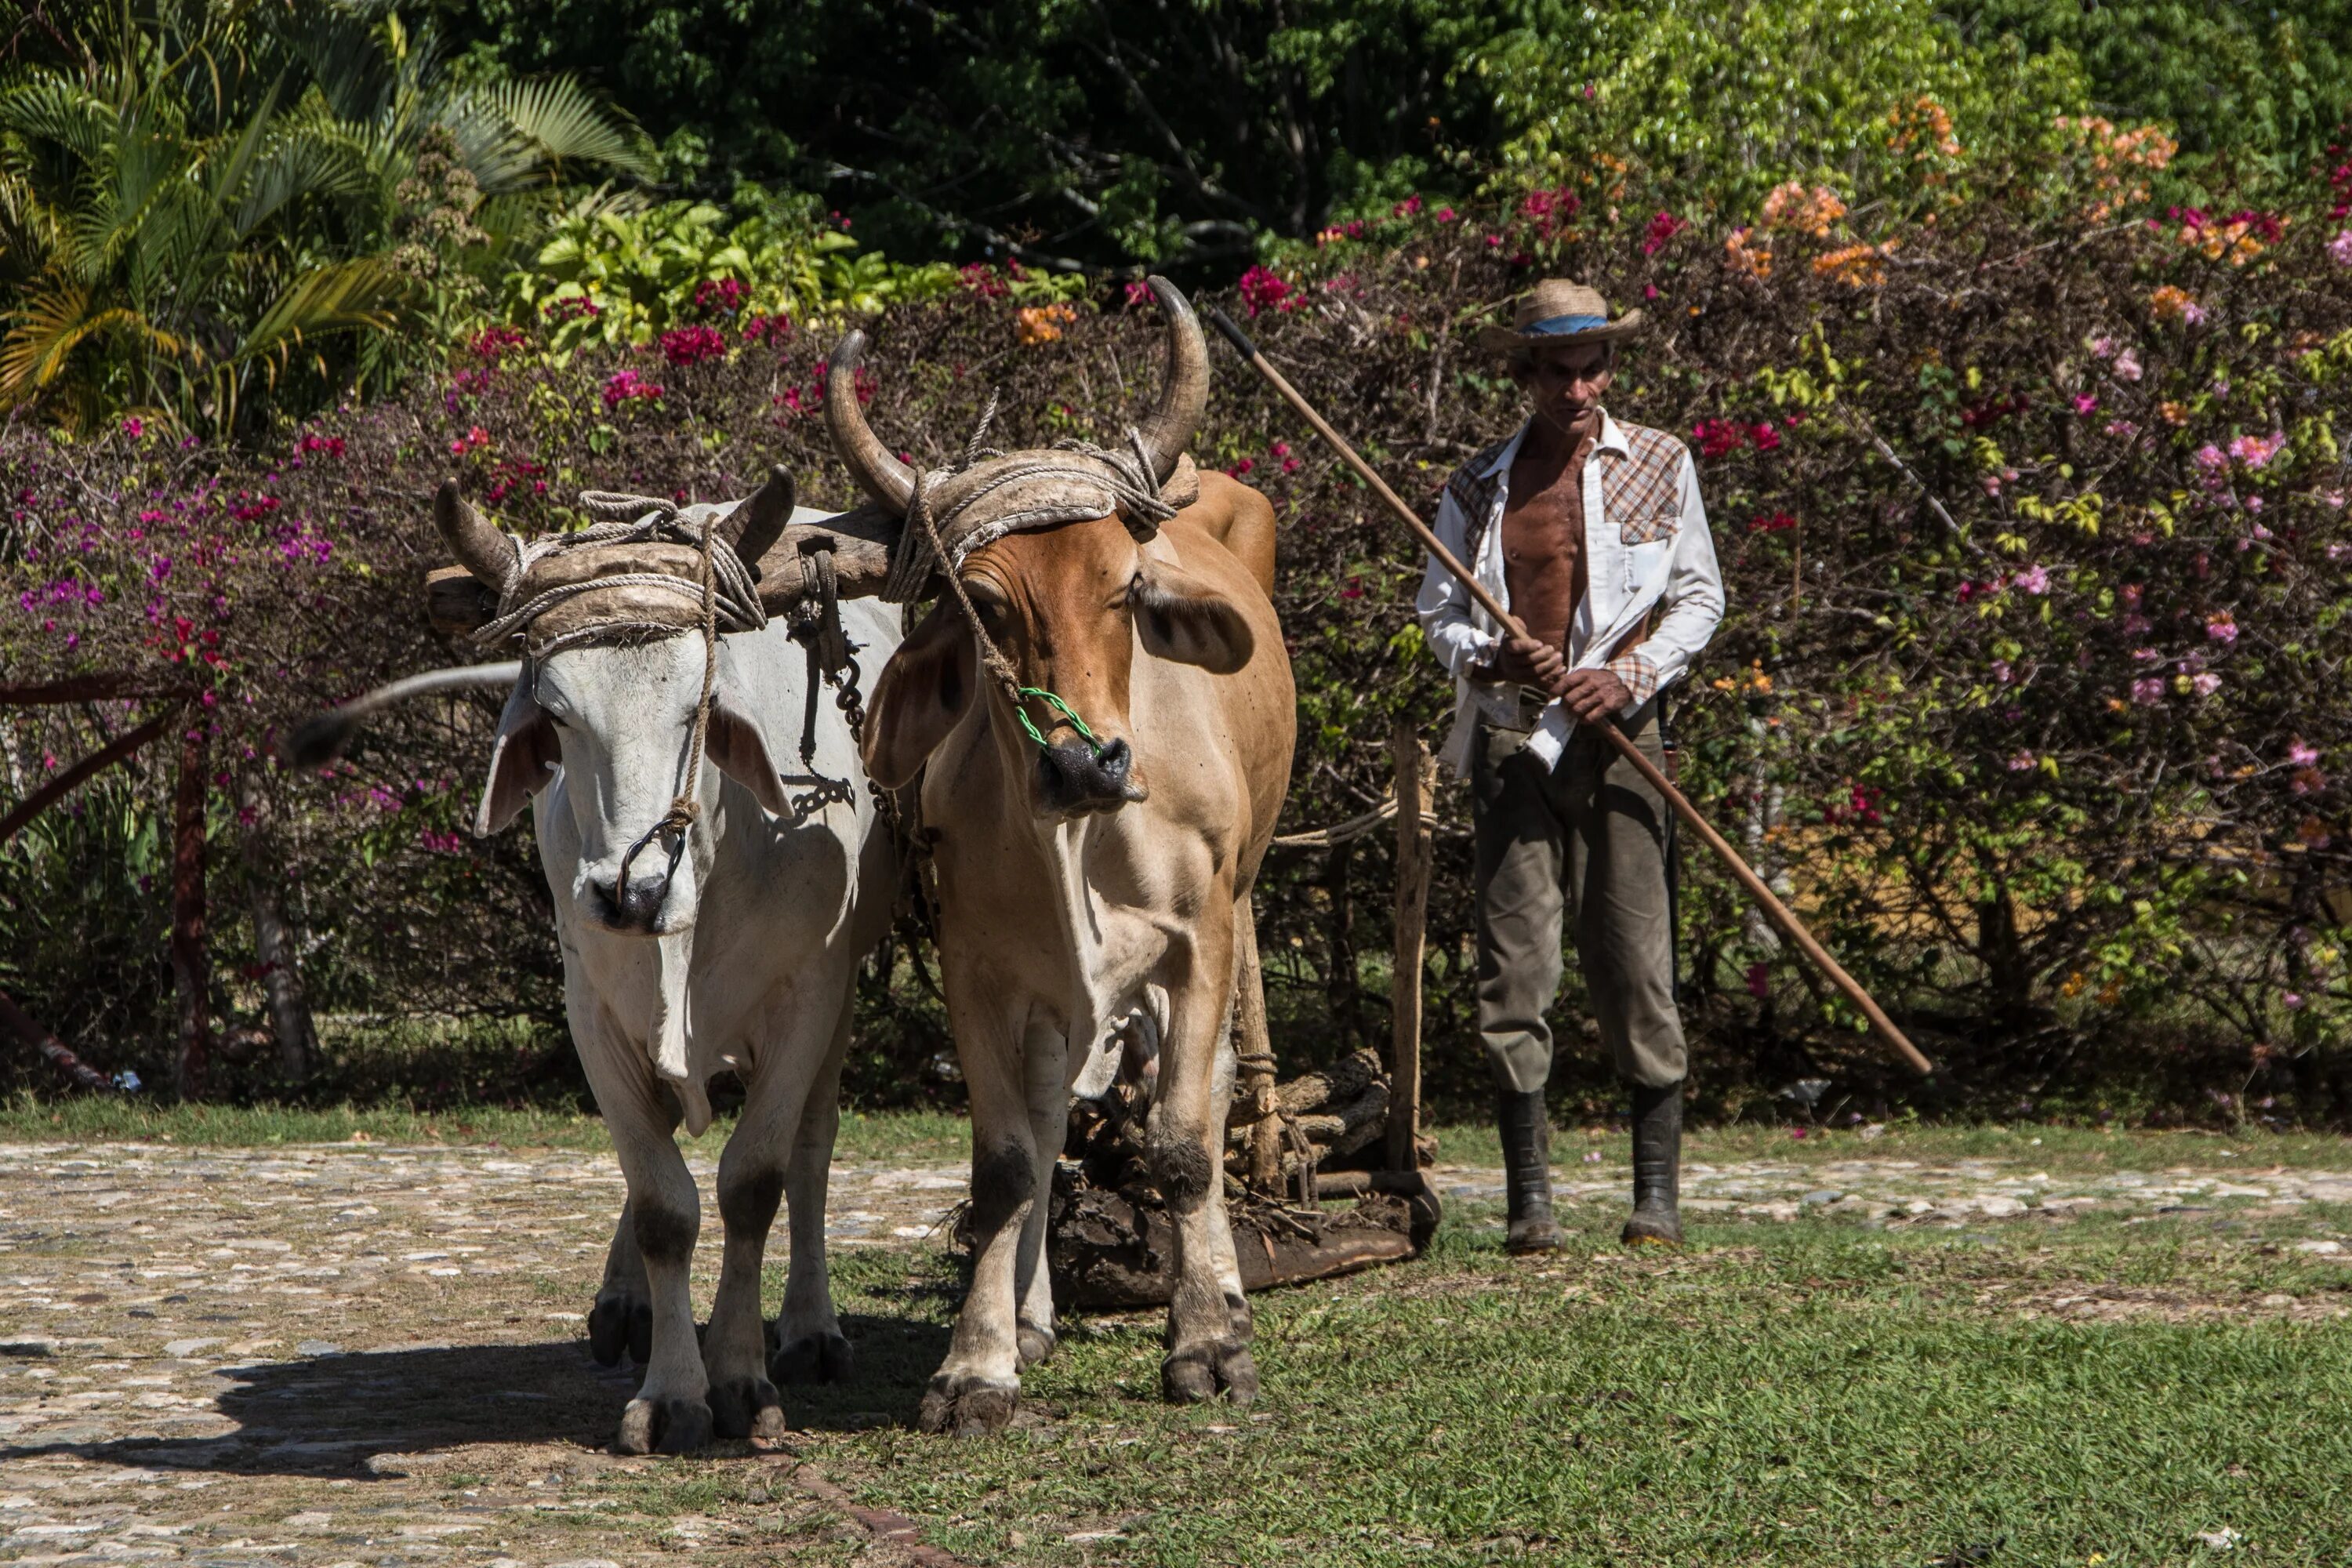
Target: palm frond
x=51, y=324
x=45, y=107
x=516, y=132
x=362, y=294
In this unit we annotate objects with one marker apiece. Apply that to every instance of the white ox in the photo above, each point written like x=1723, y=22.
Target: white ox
x=1092, y=882
x=739, y=950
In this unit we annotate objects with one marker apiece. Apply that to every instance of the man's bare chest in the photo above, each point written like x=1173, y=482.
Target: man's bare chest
x=1543, y=518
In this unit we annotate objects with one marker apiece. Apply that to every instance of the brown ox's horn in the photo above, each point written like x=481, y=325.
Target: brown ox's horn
x=755, y=525
x=879, y=473
x=1185, y=396
x=478, y=547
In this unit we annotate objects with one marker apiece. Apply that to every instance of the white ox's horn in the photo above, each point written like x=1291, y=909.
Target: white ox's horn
x=755, y=525
x=878, y=472
x=1184, y=396
x=320, y=739
x=479, y=548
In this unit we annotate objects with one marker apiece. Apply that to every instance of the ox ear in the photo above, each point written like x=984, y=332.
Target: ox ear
x=1182, y=618
x=924, y=689
x=737, y=751
x=522, y=761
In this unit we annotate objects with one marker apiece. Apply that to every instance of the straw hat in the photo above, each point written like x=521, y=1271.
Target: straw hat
x=1558, y=311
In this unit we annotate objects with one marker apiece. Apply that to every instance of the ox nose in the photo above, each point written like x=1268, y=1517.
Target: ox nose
x=1074, y=776
x=634, y=907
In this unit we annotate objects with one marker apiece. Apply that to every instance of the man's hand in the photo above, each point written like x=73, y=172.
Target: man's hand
x=1593, y=695
x=1530, y=663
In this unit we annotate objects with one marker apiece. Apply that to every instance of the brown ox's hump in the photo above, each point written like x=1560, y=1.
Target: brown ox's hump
x=1238, y=517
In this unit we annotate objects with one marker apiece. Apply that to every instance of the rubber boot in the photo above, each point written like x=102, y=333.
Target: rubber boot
x=1526, y=1172
x=1657, y=1166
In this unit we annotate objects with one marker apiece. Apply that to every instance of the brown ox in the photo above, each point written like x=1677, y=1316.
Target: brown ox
x=1089, y=891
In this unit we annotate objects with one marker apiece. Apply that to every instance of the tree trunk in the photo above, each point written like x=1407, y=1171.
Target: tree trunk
x=280, y=954
x=191, y=964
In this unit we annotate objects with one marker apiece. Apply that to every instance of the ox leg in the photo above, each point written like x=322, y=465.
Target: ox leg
x=974, y=1390
x=807, y=1345
x=752, y=1171
x=1205, y=1356
x=670, y=1413
x=623, y=1316
x=1221, y=1230
x=1045, y=1065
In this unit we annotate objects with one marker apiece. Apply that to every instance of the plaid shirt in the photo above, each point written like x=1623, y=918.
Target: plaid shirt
x=1646, y=549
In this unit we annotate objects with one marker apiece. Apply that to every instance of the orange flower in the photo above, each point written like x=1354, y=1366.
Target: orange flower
x=1855, y=266
x=2171, y=302
x=1042, y=324
x=1793, y=207
x=1739, y=258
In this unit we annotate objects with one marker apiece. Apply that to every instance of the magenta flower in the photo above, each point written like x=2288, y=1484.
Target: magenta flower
x=1263, y=289
x=134, y=428
x=2255, y=451
x=2301, y=753
x=2032, y=580
x=2128, y=366
x=2205, y=685
x=2339, y=249
x=2212, y=459
x=2148, y=691
x=2222, y=628
x=692, y=345
x=2085, y=402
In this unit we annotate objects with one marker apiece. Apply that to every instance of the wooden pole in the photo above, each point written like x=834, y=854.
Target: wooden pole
x=1745, y=875
x=1254, y=1052
x=191, y=964
x=97, y=762
x=60, y=1056
x=1416, y=784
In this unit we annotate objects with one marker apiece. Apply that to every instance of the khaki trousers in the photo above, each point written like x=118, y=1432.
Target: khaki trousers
x=1584, y=842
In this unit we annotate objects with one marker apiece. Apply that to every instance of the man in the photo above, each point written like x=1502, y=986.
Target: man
x=1592, y=532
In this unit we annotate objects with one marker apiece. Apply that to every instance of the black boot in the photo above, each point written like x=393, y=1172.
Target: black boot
x=1657, y=1166
x=1526, y=1172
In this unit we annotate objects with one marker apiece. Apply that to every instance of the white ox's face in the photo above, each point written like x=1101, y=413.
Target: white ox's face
x=619, y=722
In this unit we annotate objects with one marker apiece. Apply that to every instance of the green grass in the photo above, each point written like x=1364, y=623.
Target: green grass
x=916, y=1136
x=1815, y=1392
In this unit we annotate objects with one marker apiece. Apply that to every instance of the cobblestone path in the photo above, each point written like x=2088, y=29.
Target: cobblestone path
x=354, y=1354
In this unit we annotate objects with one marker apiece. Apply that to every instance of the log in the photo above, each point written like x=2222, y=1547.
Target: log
x=60, y=1056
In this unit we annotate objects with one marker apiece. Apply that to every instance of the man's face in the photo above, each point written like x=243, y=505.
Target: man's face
x=1565, y=382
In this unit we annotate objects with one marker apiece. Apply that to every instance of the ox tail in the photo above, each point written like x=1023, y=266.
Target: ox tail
x=321, y=738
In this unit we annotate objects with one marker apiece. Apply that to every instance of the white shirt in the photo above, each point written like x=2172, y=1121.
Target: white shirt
x=1662, y=558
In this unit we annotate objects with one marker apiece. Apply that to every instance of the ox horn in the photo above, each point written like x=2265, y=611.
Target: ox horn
x=871, y=464
x=478, y=547
x=756, y=524
x=1185, y=396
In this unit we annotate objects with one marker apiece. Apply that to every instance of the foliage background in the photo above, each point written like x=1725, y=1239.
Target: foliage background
x=2012, y=337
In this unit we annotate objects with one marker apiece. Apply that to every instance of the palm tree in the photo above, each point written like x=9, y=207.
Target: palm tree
x=223, y=193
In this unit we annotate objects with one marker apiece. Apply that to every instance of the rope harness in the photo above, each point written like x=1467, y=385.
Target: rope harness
x=726, y=599
x=1125, y=476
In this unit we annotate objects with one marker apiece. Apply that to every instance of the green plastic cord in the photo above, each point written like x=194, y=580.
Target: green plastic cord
x=1063, y=708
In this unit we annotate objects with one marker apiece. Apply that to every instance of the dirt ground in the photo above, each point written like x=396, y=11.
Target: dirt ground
x=354, y=1354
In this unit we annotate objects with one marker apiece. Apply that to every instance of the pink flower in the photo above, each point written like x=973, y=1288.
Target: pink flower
x=1445, y=214
x=2255, y=451
x=2290, y=1000
x=2222, y=628
x=692, y=345
x=2307, y=781
x=2123, y=428
x=1662, y=228
x=2102, y=348
x=2126, y=366
x=2085, y=402
x=1764, y=436
x=2148, y=691
x=624, y=386
x=1263, y=289
x=134, y=428
x=2339, y=249
x=2001, y=671
x=2205, y=685
x=2145, y=656
x=1138, y=294
x=2032, y=580
x=2021, y=762
x=2212, y=459
x=2301, y=753
x=1716, y=436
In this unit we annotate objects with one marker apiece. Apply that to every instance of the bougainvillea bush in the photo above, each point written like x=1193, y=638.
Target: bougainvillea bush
x=2034, y=526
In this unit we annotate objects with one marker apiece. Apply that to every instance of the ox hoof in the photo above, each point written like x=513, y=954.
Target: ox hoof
x=664, y=1426
x=617, y=1323
x=747, y=1408
x=812, y=1358
x=1198, y=1374
x=965, y=1408
x=1036, y=1344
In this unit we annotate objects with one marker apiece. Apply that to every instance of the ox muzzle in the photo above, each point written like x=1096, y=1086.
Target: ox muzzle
x=1076, y=779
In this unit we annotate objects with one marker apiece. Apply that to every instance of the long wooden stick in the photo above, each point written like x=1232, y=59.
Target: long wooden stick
x=97, y=761
x=1744, y=874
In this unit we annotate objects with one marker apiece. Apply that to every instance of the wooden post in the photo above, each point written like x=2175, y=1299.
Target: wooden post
x=1416, y=785
x=1254, y=1053
x=191, y=965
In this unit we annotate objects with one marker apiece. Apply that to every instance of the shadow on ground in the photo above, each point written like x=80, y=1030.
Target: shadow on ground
x=340, y=1415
